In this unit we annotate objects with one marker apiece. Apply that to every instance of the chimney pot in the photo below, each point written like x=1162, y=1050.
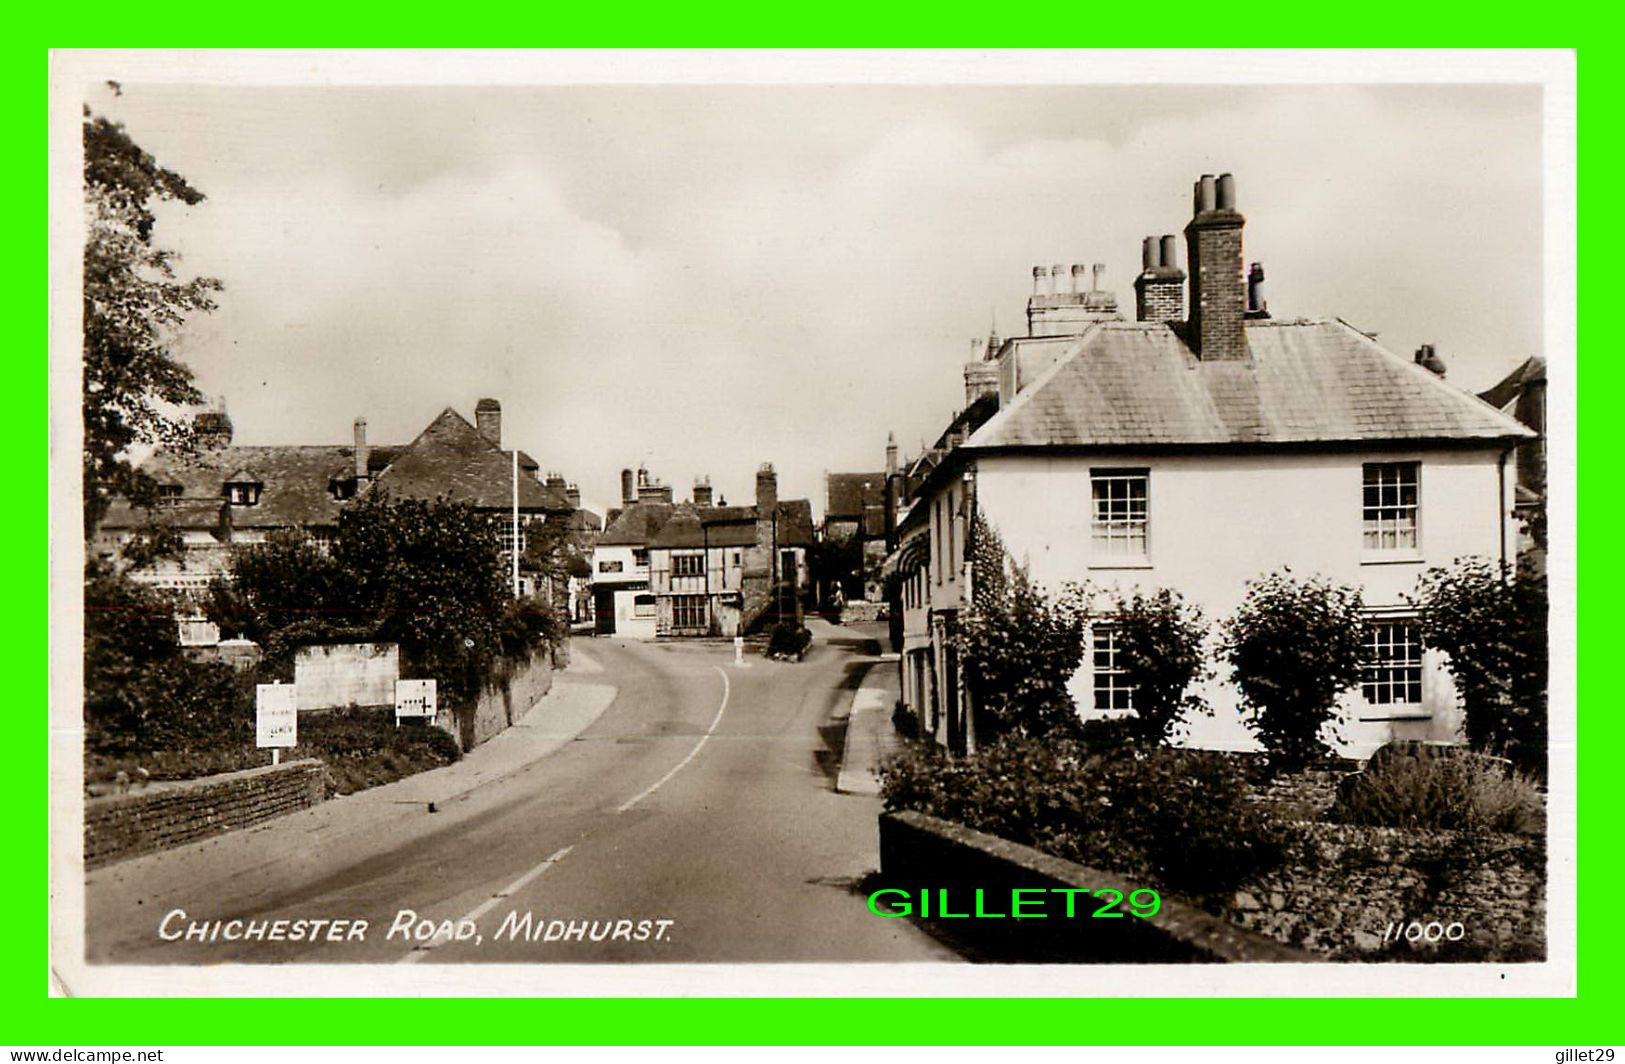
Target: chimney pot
x=1057, y=276
x=629, y=492
x=1170, y=252
x=1097, y=272
x=1150, y=258
x=1227, y=192
x=1078, y=270
x=362, y=452
x=1039, y=274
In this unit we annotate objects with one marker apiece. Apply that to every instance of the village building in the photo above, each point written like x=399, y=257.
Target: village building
x=226, y=495
x=1196, y=450
x=855, y=512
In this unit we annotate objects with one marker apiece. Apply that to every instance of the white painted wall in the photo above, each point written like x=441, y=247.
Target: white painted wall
x=1217, y=521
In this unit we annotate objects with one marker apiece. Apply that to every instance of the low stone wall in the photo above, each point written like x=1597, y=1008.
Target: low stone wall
x=1347, y=891
x=922, y=852
x=504, y=698
x=860, y=612
x=173, y=814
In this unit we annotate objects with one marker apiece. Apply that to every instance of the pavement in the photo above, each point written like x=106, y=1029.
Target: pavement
x=871, y=738
x=674, y=795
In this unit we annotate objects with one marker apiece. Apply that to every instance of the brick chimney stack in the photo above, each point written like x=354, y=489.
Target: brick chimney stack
x=362, y=452
x=702, y=491
x=767, y=490
x=572, y=495
x=488, y=419
x=1218, y=288
x=1159, y=291
x=629, y=492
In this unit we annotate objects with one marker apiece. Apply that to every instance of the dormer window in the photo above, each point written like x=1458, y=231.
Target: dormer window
x=243, y=489
x=343, y=488
x=169, y=494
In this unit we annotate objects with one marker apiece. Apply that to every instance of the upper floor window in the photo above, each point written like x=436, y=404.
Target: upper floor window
x=609, y=566
x=640, y=558
x=242, y=493
x=1391, y=504
x=1392, y=670
x=1112, y=691
x=169, y=494
x=1120, y=511
x=505, y=536
x=688, y=565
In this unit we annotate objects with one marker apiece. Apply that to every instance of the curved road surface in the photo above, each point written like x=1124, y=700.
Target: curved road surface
x=698, y=814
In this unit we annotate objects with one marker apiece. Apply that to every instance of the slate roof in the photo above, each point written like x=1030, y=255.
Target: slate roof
x=297, y=486
x=1137, y=384
x=851, y=494
x=451, y=459
x=1510, y=387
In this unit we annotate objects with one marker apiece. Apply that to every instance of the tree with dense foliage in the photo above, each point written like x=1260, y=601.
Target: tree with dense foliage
x=1159, y=648
x=1294, y=647
x=1491, y=622
x=1019, y=646
x=133, y=305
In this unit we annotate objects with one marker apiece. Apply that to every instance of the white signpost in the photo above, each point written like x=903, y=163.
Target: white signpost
x=414, y=698
x=276, y=718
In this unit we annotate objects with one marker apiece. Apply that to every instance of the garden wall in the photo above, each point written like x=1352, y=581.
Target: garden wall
x=504, y=699
x=919, y=851
x=173, y=814
x=1343, y=885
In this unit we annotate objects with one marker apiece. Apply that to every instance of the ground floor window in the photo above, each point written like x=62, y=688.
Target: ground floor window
x=688, y=611
x=1392, y=670
x=1112, y=690
x=643, y=605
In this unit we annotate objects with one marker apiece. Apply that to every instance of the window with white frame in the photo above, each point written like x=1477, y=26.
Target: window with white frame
x=1390, y=505
x=688, y=611
x=643, y=605
x=609, y=566
x=1391, y=672
x=688, y=565
x=1112, y=690
x=1121, y=510
x=505, y=536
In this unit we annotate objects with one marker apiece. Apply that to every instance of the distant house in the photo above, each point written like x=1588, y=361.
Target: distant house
x=226, y=495
x=855, y=509
x=1522, y=394
x=1196, y=451
x=696, y=569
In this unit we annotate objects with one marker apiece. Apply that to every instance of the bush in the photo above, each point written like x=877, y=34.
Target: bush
x=905, y=722
x=1491, y=622
x=788, y=641
x=1159, y=648
x=1442, y=788
x=1176, y=818
x=1019, y=646
x=1294, y=646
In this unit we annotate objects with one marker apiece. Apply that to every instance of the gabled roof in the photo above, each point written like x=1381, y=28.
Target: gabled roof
x=850, y=494
x=636, y=525
x=1137, y=384
x=1510, y=387
x=297, y=487
x=732, y=526
x=451, y=459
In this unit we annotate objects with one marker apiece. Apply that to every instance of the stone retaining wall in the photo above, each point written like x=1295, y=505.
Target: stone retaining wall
x=923, y=852
x=173, y=814
x=504, y=698
x=1343, y=886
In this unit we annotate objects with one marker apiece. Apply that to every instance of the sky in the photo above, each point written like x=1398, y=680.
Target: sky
x=702, y=279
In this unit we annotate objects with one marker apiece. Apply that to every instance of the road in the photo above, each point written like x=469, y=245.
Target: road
x=696, y=820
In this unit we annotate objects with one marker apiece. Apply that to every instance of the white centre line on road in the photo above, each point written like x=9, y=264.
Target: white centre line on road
x=661, y=782
x=422, y=950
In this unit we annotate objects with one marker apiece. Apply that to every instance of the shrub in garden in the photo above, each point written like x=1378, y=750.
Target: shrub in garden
x=1177, y=818
x=788, y=641
x=1294, y=646
x=1441, y=788
x=1018, y=646
x=1491, y=622
x=1159, y=648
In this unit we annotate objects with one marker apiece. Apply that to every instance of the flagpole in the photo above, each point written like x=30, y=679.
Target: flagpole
x=514, y=553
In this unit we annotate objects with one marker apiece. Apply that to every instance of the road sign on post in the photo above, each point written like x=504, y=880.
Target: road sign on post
x=414, y=698
x=276, y=718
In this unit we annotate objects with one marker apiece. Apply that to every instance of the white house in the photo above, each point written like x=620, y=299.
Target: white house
x=1196, y=452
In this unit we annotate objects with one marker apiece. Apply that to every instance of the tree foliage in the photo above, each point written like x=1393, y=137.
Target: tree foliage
x=133, y=305
x=1159, y=648
x=425, y=575
x=1019, y=645
x=1491, y=621
x=1294, y=646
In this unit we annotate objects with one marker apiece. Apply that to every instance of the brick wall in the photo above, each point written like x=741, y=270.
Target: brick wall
x=1159, y=295
x=173, y=814
x=1218, y=289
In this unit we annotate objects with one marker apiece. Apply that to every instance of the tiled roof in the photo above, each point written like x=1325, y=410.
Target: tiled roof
x=850, y=494
x=451, y=459
x=636, y=525
x=1532, y=371
x=297, y=487
x=1136, y=383
x=732, y=526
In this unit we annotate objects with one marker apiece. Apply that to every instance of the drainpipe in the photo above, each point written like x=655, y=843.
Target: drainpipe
x=1501, y=509
x=967, y=505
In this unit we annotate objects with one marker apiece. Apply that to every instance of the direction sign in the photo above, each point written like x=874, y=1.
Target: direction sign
x=414, y=698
